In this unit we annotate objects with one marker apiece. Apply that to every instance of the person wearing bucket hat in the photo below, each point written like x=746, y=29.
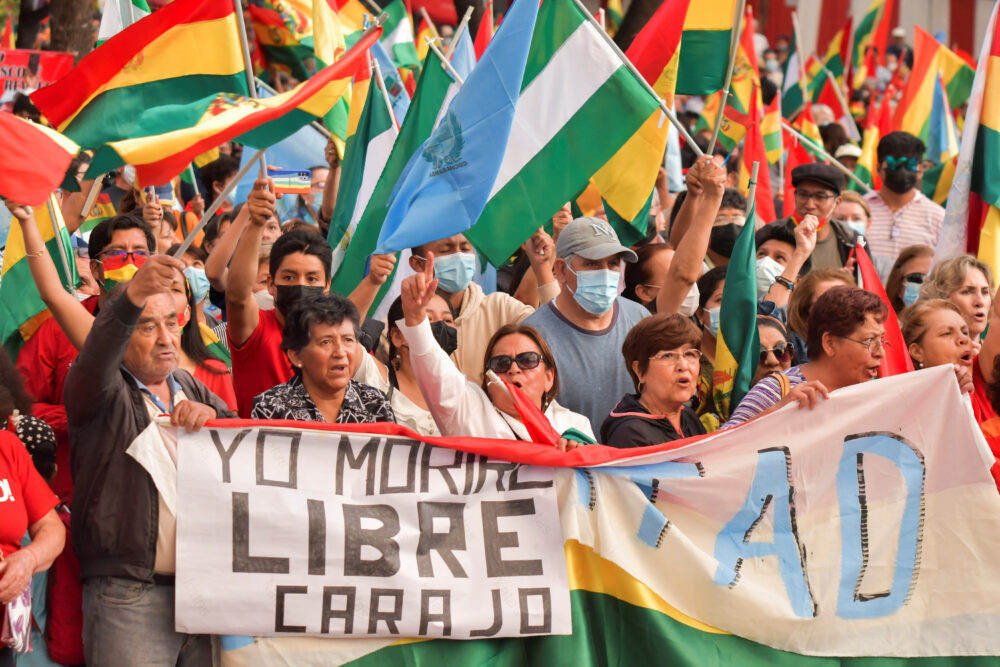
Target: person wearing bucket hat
x=587, y=322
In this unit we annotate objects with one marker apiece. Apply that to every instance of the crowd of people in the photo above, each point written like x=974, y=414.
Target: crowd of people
x=612, y=344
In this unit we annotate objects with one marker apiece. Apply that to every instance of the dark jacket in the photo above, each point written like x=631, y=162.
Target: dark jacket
x=115, y=509
x=631, y=425
x=847, y=239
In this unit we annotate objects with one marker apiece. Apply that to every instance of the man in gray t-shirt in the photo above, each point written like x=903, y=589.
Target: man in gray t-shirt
x=587, y=323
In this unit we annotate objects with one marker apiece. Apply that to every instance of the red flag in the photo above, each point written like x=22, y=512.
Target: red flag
x=7, y=39
x=754, y=151
x=35, y=160
x=485, y=32
x=881, y=38
x=796, y=155
x=537, y=424
x=897, y=358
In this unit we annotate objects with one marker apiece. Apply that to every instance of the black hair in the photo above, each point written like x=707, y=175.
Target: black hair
x=13, y=395
x=170, y=218
x=733, y=198
x=394, y=315
x=900, y=144
x=100, y=237
x=774, y=323
x=22, y=104
x=193, y=250
x=301, y=240
x=676, y=208
x=768, y=90
x=708, y=283
x=780, y=230
x=221, y=170
x=637, y=273
x=214, y=225
x=688, y=156
x=330, y=309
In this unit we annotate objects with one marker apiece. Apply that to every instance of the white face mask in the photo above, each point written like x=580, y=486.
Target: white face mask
x=767, y=270
x=690, y=303
x=128, y=174
x=264, y=300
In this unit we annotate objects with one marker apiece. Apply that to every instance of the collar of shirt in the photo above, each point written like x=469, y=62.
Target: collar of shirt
x=172, y=384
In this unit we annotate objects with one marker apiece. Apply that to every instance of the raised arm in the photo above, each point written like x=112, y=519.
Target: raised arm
x=805, y=243
x=330, y=189
x=241, y=308
x=217, y=264
x=69, y=313
x=706, y=185
x=379, y=271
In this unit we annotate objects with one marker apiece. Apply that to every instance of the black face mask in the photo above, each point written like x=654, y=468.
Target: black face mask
x=900, y=180
x=445, y=335
x=723, y=238
x=290, y=296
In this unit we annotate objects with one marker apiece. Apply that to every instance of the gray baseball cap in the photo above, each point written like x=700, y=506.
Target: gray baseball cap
x=591, y=238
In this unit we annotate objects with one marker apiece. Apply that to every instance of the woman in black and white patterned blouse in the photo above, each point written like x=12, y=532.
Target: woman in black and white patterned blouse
x=320, y=341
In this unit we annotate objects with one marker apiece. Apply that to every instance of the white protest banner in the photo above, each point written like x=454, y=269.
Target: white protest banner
x=866, y=528
x=299, y=531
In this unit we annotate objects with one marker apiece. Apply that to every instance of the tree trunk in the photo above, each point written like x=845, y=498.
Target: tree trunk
x=29, y=22
x=635, y=19
x=72, y=30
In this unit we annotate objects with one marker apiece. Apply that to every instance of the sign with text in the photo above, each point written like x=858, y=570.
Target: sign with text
x=24, y=70
x=284, y=532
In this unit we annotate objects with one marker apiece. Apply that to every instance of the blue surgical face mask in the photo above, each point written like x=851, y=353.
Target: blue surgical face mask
x=713, y=320
x=858, y=227
x=911, y=292
x=767, y=270
x=198, y=281
x=596, y=290
x=455, y=271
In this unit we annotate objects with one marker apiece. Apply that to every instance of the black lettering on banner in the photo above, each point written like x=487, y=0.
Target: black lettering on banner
x=356, y=537
x=242, y=560
x=497, y=618
x=317, y=536
x=470, y=470
x=444, y=543
x=499, y=467
x=293, y=458
x=494, y=540
x=519, y=486
x=279, y=607
x=411, y=467
x=546, y=627
x=345, y=454
x=426, y=467
x=375, y=614
x=226, y=454
x=349, y=593
x=444, y=617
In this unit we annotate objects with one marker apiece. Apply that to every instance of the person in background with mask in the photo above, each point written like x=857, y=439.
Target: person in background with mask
x=588, y=321
x=644, y=279
x=901, y=215
x=848, y=154
x=818, y=189
x=907, y=276
x=397, y=379
x=299, y=267
x=782, y=253
x=710, y=287
x=853, y=211
x=729, y=220
x=770, y=67
x=118, y=246
x=479, y=315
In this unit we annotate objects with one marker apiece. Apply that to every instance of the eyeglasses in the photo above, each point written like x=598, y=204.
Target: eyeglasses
x=782, y=352
x=525, y=361
x=871, y=344
x=892, y=162
x=818, y=197
x=672, y=357
x=115, y=259
x=729, y=220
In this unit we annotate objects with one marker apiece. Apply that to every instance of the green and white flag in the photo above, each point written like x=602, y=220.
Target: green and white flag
x=397, y=36
x=365, y=157
x=118, y=15
x=792, y=97
x=578, y=106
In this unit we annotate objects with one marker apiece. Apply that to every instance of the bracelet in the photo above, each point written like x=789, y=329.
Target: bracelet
x=36, y=253
x=785, y=282
x=28, y=549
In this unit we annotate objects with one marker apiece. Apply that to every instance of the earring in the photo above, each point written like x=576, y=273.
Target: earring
x=641, y=387
x=396, y=361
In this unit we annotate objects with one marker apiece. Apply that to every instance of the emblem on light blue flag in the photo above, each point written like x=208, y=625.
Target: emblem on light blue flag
x=444, y=149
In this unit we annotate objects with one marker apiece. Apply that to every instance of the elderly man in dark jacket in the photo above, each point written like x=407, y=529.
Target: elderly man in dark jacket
x=123, y=530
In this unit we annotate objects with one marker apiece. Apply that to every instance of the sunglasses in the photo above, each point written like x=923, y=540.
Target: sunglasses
x=914, y=278
x=892, y=162
x=116, y=259
x=782, y=352
x=525, y=361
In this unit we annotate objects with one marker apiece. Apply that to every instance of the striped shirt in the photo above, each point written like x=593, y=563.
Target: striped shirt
x=763, y=395
x=918, y=222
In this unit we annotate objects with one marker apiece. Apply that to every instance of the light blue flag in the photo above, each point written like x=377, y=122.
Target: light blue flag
x=446, y=184
x=942, y=136
x=398, y=96
x=463, y=56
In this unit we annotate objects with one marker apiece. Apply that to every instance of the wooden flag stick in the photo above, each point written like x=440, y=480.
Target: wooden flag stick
x=826, y=156
x=248, y=70
x=95, y=190
x=58, y=237
x=380, y=82
x=444, y=61
x=462, y=27
x=430, y=24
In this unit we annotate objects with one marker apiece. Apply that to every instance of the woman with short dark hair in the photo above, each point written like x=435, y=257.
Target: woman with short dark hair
x=846, y=345
x=662, y=356
x=775, y=349
x=320, y=341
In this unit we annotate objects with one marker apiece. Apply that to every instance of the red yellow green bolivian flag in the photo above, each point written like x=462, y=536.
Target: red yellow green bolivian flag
x=178, y=54
x=705, y=47
x=879, y=125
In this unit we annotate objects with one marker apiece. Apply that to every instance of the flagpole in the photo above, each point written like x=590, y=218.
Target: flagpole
x=642, y=80
x=210, y=211
x=316, y=125
x=826, y=156
x=380, y=82
x=602, y=19
x=374, y=7
x=462, y=27
x=752, y=190
x=430, y=24
x=734, y=48
x=57, y=233
x=251, y=84
x=95, y=190
x=444, y=62
x=840, y=94
x=798, y=50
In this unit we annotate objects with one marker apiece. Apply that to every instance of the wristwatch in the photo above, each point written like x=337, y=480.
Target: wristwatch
x=785, y=282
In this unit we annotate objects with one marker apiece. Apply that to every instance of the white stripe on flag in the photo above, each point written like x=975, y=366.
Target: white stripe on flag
x=579, y=67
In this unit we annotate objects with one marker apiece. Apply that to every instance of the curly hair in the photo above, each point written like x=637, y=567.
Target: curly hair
x=656, y=333
x=839, y=312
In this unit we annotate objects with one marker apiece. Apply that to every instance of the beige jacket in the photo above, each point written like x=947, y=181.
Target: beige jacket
x=479, y=317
